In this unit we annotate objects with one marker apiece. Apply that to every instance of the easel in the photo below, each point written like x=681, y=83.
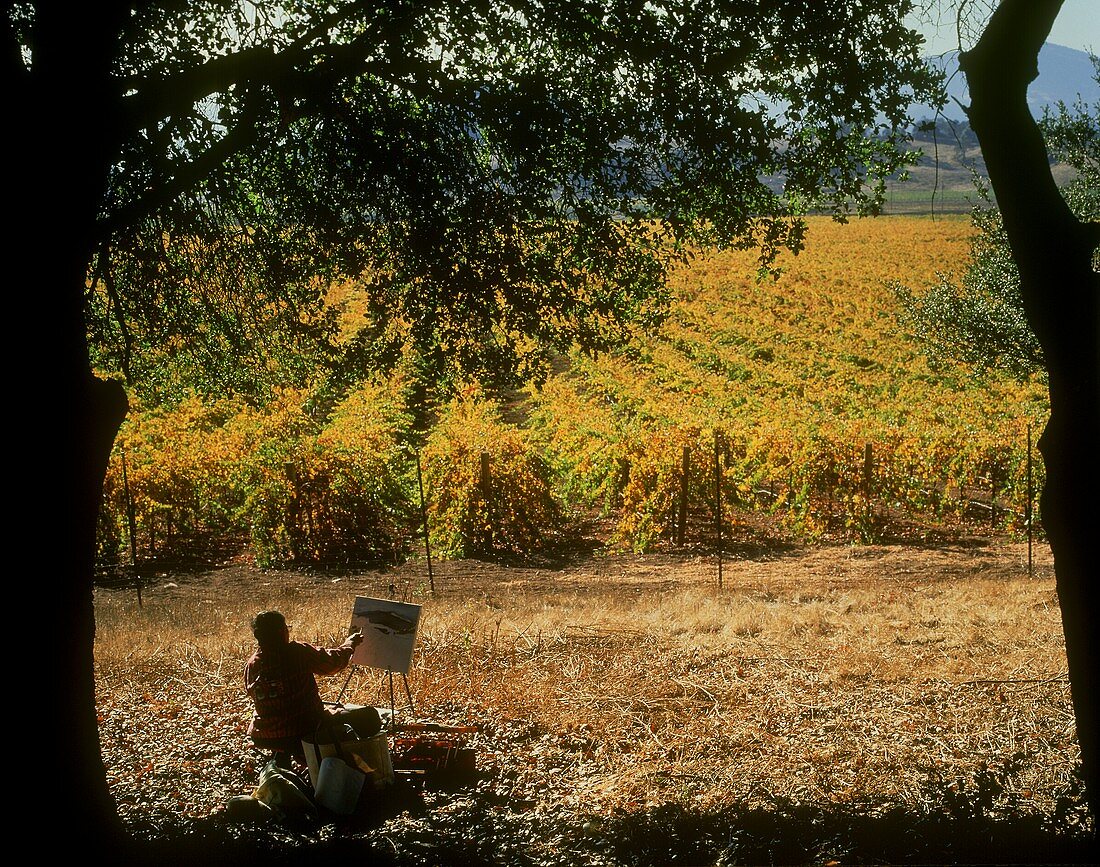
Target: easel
x=408, y=695
x=393, y=703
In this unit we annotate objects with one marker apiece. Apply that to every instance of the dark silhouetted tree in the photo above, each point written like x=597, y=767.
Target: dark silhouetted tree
x=1055, y=253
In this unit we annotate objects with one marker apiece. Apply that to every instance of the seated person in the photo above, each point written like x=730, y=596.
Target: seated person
x=280, y=680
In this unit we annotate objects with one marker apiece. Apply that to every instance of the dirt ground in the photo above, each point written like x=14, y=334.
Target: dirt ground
x=589, y=567
x=797, y=790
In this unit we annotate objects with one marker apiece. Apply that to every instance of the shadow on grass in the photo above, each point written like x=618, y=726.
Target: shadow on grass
x=481, y=830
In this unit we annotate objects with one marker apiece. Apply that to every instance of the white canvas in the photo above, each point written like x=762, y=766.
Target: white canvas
x=389, y=633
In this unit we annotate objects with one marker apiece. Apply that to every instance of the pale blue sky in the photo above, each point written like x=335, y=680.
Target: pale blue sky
x=1077, y=26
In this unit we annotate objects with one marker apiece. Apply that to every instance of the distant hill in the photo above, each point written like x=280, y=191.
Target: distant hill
x=944, y=179
x=1063, y=74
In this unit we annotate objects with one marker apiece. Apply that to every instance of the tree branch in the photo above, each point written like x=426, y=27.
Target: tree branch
x=998, y=70
x=187, y=175
x=1052, y=248
x=120, y=315
x=1010, y=43
x=156, y=98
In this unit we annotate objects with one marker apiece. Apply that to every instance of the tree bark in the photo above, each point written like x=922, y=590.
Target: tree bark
x=1061, y=294
x=65, y=134
x=97, y=410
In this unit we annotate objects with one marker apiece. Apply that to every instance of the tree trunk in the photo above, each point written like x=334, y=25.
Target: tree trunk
x=84, y=414
x=1061, y=294
x=65, y=133
x=97, y=410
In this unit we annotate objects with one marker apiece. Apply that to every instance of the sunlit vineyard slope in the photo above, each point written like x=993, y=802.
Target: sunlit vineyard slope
x=798, y=376
x=796, y=401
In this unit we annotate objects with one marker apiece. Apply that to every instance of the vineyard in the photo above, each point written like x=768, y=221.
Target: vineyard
x=795, y=404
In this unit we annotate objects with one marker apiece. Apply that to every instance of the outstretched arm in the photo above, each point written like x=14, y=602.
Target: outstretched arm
x=331, y=659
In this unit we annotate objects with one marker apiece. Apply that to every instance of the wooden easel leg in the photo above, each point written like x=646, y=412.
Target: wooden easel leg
x=343, y=689
x=408, y=692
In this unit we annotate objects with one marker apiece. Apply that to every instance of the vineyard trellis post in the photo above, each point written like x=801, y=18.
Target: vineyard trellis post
x=131, y=522
x=718, y=500
x=424, y=522
x=681, y=530
x=993, y=496
x=868, y=472
x=1028, y=506
x=293, y=508
x=486, y=484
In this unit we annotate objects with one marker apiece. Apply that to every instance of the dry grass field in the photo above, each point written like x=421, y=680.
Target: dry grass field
x=863, y=680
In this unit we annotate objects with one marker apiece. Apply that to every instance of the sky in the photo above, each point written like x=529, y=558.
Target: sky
x=1077, y=26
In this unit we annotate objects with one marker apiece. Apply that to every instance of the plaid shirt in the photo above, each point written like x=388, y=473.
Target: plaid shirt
x=283, y=688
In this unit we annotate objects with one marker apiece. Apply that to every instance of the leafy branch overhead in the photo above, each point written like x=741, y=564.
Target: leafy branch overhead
x=502, y=178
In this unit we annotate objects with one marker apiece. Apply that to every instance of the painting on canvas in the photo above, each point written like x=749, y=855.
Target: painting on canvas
x=389, y=633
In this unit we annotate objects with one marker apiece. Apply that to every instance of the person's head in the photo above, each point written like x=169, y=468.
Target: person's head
x=270, y=628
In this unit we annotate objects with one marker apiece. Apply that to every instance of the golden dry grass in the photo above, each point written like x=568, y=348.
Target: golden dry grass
x=869, y=676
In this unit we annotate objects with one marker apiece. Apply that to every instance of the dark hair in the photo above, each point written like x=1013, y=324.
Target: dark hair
x=268, y=627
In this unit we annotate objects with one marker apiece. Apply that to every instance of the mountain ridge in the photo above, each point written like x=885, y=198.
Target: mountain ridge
x=1064, y=75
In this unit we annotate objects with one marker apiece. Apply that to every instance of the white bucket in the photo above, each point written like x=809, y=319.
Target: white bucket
x=339, y=786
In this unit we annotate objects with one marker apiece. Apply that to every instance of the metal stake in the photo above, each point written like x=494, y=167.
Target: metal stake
x=1028, y=511
x=424, y=520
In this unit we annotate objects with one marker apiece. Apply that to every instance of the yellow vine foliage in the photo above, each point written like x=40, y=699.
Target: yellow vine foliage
x=797, y=377
x=513, y=508
x=299, y=494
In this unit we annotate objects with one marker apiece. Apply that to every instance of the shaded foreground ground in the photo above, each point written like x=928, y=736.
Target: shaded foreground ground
x=879, y=704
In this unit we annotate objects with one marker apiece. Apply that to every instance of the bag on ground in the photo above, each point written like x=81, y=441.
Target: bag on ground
x=284, y=794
